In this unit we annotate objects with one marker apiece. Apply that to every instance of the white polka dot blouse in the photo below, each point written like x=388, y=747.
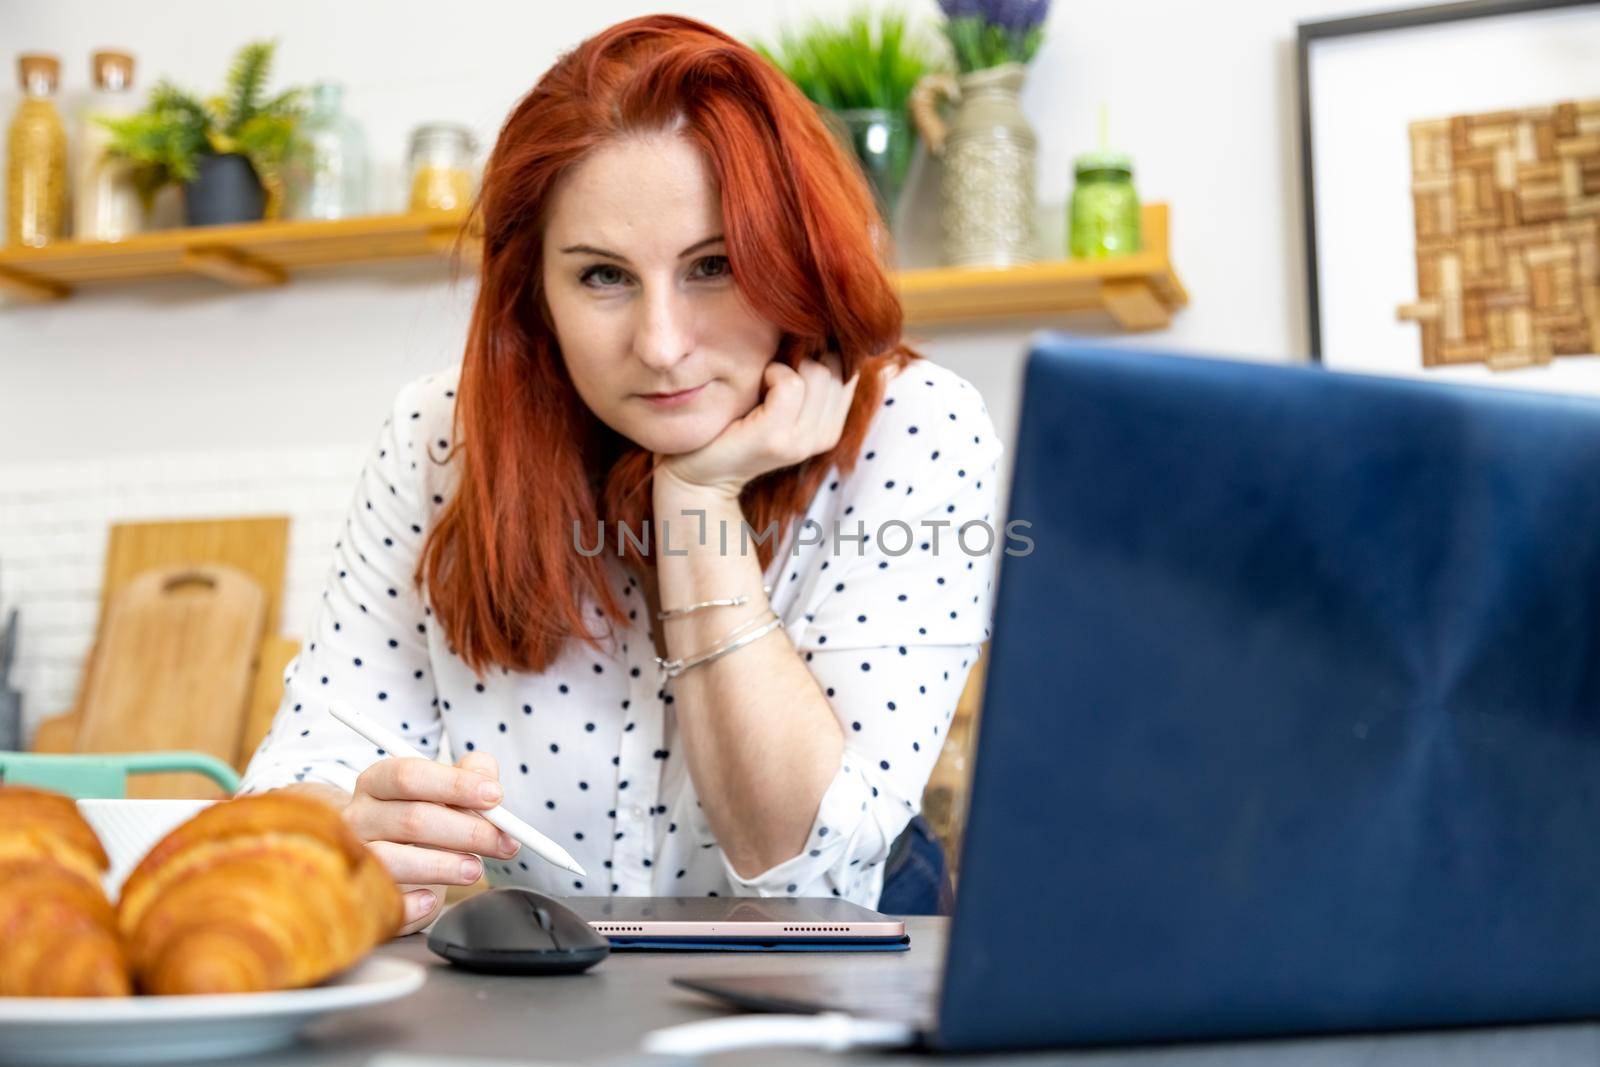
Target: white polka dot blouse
x=889, y=625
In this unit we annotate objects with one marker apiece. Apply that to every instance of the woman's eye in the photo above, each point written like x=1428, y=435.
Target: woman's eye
x=605, y=276
x=593, y=275
x=718, y=266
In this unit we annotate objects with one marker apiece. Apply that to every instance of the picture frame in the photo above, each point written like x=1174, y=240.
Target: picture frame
x=1448, y=232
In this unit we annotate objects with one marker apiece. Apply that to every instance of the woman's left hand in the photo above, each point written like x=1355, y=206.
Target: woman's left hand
x=802, y=415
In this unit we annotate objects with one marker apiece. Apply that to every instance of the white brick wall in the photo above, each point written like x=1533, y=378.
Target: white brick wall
x=54, y=519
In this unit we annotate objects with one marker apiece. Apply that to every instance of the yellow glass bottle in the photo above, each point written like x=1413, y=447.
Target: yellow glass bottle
x=36, y=157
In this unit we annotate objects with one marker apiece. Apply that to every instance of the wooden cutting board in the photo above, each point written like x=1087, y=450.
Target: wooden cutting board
x=173, y=669
x=257, y=545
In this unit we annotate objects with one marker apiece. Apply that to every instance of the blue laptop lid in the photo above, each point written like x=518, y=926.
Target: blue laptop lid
x=1292, y=717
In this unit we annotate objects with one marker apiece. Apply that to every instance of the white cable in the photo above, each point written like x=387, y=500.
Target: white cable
x=831, y=1030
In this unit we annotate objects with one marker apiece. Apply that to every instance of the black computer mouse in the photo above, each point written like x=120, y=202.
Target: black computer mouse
x=517, y=931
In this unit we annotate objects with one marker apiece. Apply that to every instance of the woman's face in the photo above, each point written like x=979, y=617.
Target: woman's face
x=658, y=340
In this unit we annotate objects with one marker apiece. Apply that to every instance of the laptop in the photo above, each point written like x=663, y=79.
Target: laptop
x=1292, y=718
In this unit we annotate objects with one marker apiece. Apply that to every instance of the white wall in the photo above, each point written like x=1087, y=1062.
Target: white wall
x=1201, y=95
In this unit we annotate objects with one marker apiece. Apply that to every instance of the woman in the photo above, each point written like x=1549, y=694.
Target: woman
x=683, y=331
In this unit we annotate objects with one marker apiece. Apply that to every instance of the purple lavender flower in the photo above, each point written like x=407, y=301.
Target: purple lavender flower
x=962, y=9
x=1017, y=16
x=987, y=33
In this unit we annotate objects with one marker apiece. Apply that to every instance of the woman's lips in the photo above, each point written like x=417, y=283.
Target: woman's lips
x=669, y=400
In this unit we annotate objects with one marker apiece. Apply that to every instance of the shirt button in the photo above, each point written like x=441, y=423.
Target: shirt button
x=637, y=813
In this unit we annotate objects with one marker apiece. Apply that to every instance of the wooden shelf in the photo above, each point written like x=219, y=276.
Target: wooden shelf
x=250, y=255
x=1139, y=291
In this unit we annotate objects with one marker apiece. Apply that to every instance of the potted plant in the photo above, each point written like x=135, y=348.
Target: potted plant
x=228, y=151
x=860, y=73
x=987, y=207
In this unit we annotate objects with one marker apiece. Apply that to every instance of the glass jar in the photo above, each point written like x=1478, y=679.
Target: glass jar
x=105, y=201
x=36, y=157
x=1104, y=213
x=883, y=143
x=328, y=175
x=441, y=167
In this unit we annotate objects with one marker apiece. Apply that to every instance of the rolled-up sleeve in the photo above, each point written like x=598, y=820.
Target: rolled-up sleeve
x=893, y=629
x=367, y=643
x=898, y=719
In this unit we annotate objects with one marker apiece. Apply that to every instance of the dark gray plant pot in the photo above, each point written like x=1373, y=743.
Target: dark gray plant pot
x=227, y=190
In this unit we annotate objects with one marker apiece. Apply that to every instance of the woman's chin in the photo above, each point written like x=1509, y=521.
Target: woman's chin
x=675, y=440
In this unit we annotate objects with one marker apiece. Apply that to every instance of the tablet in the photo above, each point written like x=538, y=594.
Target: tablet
x=738, y=922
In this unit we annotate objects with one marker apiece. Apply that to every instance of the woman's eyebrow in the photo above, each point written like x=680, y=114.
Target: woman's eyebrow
x=591, y=250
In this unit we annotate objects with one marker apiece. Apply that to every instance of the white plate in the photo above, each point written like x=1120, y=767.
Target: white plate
x=142, y=1029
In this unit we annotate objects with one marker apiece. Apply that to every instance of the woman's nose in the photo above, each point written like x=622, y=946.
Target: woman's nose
x=664, y=334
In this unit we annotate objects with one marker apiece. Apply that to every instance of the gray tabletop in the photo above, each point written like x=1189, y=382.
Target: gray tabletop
x=600, y=1017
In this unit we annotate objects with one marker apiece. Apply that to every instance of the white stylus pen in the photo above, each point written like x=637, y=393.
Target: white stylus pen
x=391, y=743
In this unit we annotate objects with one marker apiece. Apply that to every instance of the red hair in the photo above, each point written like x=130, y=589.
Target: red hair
x=505, y=579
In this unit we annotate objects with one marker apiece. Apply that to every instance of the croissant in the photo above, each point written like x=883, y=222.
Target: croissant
x=58, y=933
x=262, y=892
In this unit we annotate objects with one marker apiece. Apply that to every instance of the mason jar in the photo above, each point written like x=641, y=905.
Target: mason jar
x=1104, y=214
x=441, y=169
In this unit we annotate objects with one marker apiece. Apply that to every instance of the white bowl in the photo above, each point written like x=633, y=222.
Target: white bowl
x=129, y=828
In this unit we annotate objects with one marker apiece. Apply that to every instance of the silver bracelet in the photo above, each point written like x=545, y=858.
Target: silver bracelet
x=671, y=668
x=726, y=602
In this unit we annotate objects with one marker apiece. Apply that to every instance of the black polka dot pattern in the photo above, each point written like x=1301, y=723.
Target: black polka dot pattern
x=589, y=750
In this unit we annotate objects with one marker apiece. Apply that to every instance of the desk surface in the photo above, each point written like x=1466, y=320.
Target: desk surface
x=599, y=1017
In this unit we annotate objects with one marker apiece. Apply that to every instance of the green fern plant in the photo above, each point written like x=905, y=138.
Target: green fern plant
x=166, y=138
x=873, y=59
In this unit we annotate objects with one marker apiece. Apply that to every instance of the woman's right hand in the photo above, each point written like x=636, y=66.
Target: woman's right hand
x=418, y=817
